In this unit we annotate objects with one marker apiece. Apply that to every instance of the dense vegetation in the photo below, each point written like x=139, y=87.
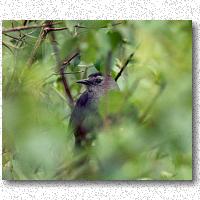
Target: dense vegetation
x=152, y=139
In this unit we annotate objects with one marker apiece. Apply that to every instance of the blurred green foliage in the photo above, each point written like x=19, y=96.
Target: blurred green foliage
x=151, y=138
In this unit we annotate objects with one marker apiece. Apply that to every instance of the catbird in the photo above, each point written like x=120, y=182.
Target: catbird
x=85, y=117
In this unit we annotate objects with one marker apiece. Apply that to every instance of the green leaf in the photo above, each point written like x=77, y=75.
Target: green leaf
x=69, y=45
x=115, y=39
x=111, y=103
x=88, y=47
x=97, y=65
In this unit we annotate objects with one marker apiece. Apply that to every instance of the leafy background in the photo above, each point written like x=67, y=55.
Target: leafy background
x=152, y=139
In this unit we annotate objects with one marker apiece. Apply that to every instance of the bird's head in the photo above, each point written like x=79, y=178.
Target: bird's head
x=99, y=82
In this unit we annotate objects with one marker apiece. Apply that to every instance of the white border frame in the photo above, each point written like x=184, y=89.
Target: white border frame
x=107, y=9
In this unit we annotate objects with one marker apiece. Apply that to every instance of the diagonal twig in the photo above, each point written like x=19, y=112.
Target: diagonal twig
x=67, y=61
x=14, y=38
x=7, y=46
x=124, y=66
x=61, y=68
x=41, y=38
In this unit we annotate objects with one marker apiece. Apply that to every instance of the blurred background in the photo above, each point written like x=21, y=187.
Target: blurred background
x=152, y=139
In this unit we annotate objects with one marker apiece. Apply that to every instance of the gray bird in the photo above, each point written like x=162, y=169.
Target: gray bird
x=85, y=117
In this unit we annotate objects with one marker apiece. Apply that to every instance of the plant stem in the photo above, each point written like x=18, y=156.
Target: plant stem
x=20, y=28
x=124, y=66
x=60, y=68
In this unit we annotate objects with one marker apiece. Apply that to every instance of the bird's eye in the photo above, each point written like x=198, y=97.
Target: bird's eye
x=98, y=80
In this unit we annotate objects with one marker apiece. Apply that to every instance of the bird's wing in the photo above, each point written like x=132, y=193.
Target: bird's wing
x=78, y=116
x=78, y=113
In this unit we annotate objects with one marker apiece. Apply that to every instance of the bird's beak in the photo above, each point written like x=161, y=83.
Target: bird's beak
x=85, y=82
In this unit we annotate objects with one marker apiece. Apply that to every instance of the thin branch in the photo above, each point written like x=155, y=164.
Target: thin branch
x=15, y=38
x=55, y=29
x=70, y=58
x=61, y=68
x=77, y=72
x=59, y=94
x=20, y=28
x=124, y=66
x=25, y=22
x=7, y=46
x=10, y=45
x=41, y=38
x=20, y=39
